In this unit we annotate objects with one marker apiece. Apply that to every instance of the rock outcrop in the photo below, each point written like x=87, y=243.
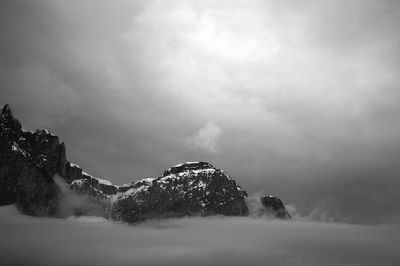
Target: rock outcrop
x=193, y=188
x=27, y=162
x=274, y=206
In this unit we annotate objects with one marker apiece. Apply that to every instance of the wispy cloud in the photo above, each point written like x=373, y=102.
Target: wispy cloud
x=206, y=139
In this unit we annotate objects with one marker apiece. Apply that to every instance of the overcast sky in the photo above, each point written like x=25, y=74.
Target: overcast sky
x=294, y=98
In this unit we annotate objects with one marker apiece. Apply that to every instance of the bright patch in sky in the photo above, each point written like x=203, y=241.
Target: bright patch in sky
x=206, y=139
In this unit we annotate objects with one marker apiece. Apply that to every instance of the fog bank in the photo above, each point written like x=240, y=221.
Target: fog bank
x=195, y=241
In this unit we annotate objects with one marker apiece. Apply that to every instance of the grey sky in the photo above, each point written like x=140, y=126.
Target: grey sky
x=295, y=98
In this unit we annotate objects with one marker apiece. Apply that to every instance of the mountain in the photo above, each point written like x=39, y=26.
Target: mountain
x=36, y=176
x=192, y=188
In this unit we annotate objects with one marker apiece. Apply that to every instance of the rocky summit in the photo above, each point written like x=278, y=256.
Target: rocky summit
x=193, y=188
x=36, y=176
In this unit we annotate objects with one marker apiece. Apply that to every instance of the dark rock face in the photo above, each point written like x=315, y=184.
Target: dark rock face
x=275, y=206
x=26, y=162
x=188, y=189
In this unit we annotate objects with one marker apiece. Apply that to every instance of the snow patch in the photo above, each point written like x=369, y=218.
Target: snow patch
x=208, y=171
x=147, y=180
x=45, y=131
x=101, y=181
x=74, y=165
x=125, y=185
x=78, y=182
x=14, y=148
x=132, y=192
x=201, y=184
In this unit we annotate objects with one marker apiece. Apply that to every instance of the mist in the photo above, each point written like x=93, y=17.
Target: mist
x=71, y=203
x=193, y=241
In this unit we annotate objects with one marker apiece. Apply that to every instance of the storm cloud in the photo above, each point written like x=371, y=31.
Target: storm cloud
x=296, y=98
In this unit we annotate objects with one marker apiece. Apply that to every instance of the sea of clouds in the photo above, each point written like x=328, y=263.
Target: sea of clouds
x=193, y=241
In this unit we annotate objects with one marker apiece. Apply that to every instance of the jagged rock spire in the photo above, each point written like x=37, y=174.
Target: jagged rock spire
x=9, y=126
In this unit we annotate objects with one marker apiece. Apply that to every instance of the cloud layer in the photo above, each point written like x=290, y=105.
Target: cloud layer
x=195, y=241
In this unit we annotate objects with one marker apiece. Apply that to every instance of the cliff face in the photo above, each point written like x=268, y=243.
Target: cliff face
x=30, y=161
x=193, y=188
x=27, y=162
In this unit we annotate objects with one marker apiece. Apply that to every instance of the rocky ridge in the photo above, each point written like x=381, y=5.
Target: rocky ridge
x=30, y=160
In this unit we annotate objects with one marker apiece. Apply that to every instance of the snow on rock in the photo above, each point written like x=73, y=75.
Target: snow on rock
x=101, y=181
x=74, y=165
x=44, y=131
x=193, y=188
x=78, y=182
x=14, y=147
